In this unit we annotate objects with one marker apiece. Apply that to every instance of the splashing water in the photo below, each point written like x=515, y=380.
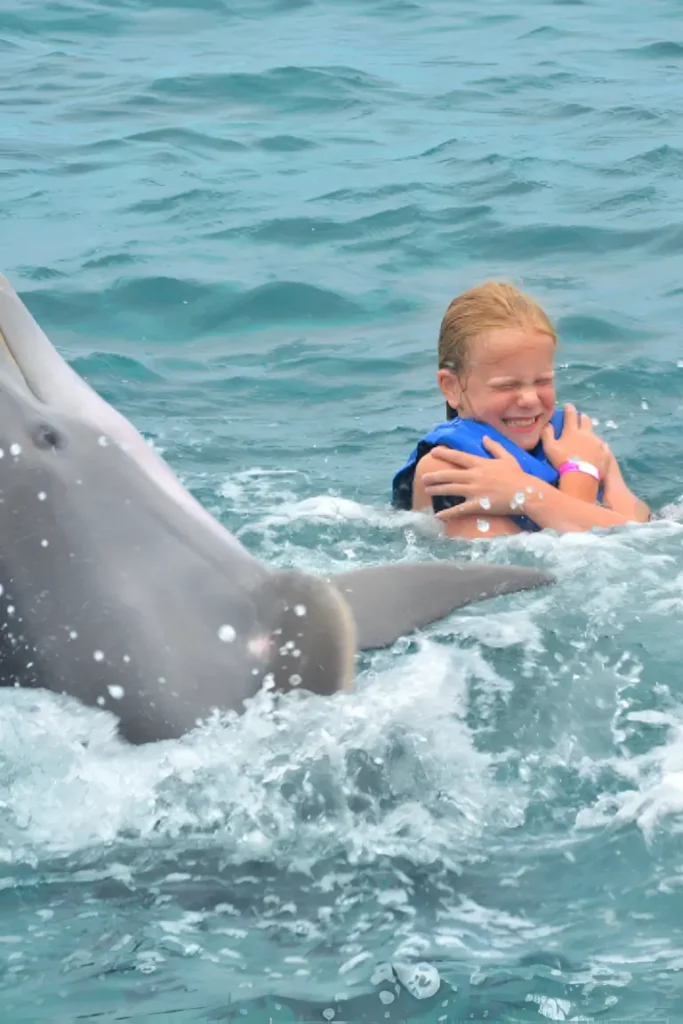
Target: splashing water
x=243, y=223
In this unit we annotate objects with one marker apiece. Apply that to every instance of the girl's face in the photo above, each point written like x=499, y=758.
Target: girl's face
x=508, y=383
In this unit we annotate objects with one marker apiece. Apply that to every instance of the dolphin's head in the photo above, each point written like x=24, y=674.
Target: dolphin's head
x=50, y=416
x=31, y=372
x=46, y=408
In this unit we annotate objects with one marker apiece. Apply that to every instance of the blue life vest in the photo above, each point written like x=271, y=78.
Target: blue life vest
x=466, y=436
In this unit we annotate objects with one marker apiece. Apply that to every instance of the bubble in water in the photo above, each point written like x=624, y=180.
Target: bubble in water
x=421, y=980
x=485, y=503
x=299, y=609
x=227, y=634
x=483, y=525
x=98, y=655
x=15, y=449
x=116, y=692
x=42, y=495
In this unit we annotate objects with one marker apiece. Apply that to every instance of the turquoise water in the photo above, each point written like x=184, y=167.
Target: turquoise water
x=242, y=223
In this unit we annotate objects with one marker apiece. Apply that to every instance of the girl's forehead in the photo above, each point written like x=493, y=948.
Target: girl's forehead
x=512, y=344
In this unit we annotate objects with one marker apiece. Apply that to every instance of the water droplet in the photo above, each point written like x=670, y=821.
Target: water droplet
x=42, y=495
x=227, y=634
x=518, y=500
x=295, y=680
x=299, y=609
x=43, y=543
x=116, y=692
x=610, y=425
x=485, y=503
x=386, y=997
x=73, y=634
x=100, y=701
x=483, y=525
x=679, y=364
x=102, y=441
x=2, y=453
x=98, y=655
x=15, y=449
x=2, y=590
x=421, y=980
x=126, y=658
x=328, y=1014
x=10, y=609
x=644, y=405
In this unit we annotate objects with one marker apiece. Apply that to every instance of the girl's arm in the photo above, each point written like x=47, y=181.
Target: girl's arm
x=619, y=498
x=501, y=480
x=466, y=526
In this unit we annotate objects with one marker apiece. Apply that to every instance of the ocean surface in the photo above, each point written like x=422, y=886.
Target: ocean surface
x=242, y=222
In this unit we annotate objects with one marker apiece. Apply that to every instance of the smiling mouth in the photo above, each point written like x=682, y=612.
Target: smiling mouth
x=518, y=423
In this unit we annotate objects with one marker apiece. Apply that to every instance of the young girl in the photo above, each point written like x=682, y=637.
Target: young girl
x=506, y=460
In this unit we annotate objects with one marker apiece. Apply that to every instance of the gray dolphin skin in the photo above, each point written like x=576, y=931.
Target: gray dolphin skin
x=119, y=589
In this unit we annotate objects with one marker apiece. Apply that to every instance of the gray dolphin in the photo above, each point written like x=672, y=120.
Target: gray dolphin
x=118, y=588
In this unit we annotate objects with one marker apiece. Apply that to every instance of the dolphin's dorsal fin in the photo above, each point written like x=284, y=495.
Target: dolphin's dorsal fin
x=389, y=601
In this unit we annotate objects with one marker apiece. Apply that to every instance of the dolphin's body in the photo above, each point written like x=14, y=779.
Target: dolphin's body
x=118, y=588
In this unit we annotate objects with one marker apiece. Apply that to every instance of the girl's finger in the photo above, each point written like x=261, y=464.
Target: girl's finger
x=496, y=449
x=570, y=417
x=466, y=508
x=455, y=457
x=445, y=476
x=452, y=490
x=548, y=434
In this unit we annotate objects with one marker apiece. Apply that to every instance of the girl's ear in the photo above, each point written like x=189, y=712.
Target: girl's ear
x=450, y=387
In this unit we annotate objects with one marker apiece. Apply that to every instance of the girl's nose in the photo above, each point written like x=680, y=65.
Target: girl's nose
x=527, y=396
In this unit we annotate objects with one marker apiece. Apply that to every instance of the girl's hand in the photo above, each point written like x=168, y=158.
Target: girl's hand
x=496, y=486
x=577, y=441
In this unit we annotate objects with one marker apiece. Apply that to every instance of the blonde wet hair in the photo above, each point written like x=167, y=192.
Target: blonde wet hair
x=491, y=306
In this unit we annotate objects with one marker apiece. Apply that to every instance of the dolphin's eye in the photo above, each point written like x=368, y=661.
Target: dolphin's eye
x=46, y=436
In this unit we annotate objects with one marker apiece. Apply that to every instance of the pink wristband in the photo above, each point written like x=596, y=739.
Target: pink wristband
x=579, y=466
